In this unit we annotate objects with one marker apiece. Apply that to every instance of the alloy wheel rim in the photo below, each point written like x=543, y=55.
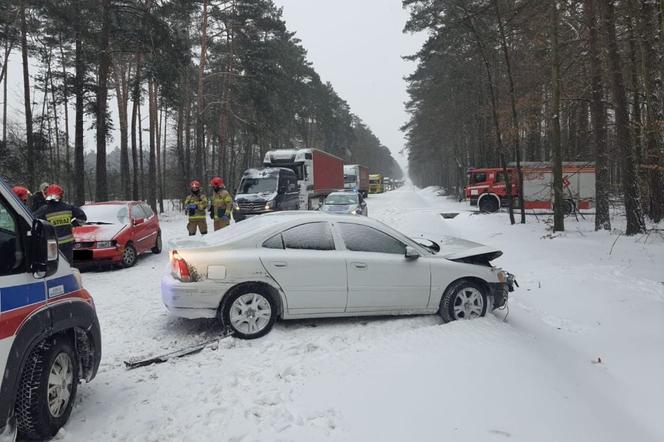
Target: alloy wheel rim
x=250, y=313
x=468, y=304
x=129, y=256
x=60, y=383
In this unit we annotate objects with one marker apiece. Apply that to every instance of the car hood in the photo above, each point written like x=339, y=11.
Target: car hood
x=462, y=250
x=97, y=232
x=255, y=197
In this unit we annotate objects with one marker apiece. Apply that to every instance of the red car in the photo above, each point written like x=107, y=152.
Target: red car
x=116, y=232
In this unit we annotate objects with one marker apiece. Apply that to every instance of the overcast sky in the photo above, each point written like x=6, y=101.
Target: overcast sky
x=357, y=45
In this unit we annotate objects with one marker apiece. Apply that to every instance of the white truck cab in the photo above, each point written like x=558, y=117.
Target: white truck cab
x=49, y=331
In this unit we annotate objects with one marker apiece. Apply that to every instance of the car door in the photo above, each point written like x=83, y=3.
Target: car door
x=305, y=263
x=139, y=226
x=152, y=226
x=379, y=275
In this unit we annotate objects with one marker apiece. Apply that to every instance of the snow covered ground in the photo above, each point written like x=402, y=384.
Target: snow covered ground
x=580, y=356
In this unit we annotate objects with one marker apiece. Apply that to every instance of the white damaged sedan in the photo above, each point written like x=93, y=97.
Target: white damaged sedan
x=291, y=265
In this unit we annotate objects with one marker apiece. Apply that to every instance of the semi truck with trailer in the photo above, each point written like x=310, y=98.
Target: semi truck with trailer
x=319, y=173
x=357, y=177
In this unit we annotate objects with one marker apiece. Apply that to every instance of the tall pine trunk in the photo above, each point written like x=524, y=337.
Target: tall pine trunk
x=653, y=156
x=515, y=119
x=630, y=184
x=121, y=73
x=556, y=148
x=152, y=164
x=598, y=116
x=136, y=102
x=101, y=183
x=79, y=93
x=200, y=103
x=30, y=171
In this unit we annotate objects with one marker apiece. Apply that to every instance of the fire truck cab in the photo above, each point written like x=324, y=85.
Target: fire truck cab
x=49, y=332
x=487, y=188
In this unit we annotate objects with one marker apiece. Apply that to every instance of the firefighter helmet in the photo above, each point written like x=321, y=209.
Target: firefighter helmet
x=217, y=182
x=22, y=193
x=54, y=192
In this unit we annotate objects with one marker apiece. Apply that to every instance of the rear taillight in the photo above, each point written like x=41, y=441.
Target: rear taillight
x=179, y=268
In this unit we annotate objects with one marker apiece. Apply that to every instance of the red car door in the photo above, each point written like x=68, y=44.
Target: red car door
x=139, y=225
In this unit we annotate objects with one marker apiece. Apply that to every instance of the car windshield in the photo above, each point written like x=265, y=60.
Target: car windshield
x=266, y=184
x=341, y=199
x=106, y=214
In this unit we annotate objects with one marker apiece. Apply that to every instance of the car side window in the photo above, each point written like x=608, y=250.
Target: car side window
x=359, y=238
x=148, y=210
x=10, y=247
x=276, y=242
x=137, y=212
x=310, y=236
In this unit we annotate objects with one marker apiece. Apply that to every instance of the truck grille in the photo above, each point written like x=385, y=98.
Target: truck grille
x=251, y=207
x=84, y=245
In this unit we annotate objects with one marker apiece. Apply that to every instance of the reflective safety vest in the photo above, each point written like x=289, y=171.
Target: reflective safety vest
x=222, y=203
x=60, y=216
x=201, y=203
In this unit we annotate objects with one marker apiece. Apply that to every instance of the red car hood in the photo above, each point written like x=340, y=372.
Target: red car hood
x=97, y=232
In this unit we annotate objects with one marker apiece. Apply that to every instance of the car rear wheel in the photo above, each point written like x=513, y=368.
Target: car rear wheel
x=129, y=256
x=250, y=312
x=463, y=300
x=157, y=246
x=47, y=389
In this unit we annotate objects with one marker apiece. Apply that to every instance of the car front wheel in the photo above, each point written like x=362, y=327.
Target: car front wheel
x=463, y=300
x=47, y=389
x=129, y=256
x=250, y=312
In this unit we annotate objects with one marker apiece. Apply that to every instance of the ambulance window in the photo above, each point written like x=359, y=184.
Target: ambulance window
x=10, y=248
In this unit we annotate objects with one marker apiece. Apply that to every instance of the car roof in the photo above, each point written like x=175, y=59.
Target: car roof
x=113, y=203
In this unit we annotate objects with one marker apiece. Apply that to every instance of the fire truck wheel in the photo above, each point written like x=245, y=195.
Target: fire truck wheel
x=47, y=389
x=489, y=204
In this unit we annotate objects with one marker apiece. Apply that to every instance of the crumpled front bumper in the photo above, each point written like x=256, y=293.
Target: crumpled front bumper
x=500, y=290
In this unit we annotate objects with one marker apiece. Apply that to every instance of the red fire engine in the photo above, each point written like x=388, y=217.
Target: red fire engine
x=486, y=186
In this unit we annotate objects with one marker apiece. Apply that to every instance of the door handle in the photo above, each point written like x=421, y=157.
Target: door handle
x=280, y=264
x=359, y=265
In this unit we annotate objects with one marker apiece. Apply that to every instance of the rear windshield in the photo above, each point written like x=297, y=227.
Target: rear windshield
x=341, y=199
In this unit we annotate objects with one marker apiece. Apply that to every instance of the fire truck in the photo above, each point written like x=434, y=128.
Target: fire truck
x=486, y=187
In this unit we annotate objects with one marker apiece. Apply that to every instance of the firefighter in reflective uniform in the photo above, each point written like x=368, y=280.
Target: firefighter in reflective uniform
x=195, y=205
x=22, y=193
x=221, y=205
x=63, y=217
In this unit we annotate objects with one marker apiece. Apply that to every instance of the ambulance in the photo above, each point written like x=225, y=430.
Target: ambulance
x=49, y=332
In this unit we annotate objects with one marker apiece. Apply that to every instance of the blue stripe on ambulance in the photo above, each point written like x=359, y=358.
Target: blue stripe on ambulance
x=23, y=295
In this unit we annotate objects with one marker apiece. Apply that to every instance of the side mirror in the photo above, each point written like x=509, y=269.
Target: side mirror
x=139, y=221
x=44, y=254
x=411, y=253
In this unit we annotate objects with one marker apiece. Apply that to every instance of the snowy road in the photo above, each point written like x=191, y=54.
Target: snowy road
x=534, y=377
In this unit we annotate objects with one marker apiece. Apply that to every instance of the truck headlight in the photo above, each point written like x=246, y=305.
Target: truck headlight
x=269, y=205
x=236, y=206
